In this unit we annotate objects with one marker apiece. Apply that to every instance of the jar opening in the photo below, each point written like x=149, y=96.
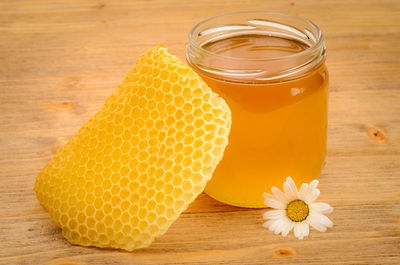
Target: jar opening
x=255, y=45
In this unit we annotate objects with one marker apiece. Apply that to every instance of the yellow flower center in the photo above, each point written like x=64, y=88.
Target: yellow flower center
x=297, y=210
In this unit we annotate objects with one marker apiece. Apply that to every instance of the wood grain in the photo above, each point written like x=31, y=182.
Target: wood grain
x=59, y=60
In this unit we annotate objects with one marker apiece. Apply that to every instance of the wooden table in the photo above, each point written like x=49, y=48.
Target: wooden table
x=59, y=60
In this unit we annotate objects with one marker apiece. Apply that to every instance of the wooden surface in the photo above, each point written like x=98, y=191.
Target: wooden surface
x=59, y=60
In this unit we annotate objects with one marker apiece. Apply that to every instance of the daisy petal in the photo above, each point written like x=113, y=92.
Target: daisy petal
x=279, y=228
x=274, y=204
x=274, y=214
x=291, y=185
x=287, y=228
x=268, y=223
x=275, y=225
x=268, y=196
x=318, y=226
x=289, y=192
x=320, y=222
x=279, y=194
x=314, y=184
x=303, y=191
x=312, y=196
x=299, y=230
x=303, y=187
x=306, y=229
x=324, y=220
x=283, y=226
x=321, y=207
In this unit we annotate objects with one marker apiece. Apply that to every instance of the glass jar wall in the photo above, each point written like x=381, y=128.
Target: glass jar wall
x=270, y=69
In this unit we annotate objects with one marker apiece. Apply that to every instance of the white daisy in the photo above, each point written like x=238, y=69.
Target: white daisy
x=296, y=209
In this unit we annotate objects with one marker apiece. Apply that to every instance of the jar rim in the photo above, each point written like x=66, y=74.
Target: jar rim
x=316, y=45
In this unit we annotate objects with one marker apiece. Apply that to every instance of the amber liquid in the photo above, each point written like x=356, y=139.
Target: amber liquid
x=278, y=128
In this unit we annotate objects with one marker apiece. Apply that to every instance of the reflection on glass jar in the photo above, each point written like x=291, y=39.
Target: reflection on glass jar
x=270, y=69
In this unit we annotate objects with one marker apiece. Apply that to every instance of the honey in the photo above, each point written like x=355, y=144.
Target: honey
x=276, y=85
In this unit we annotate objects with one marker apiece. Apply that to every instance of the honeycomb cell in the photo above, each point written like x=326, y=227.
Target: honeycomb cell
x=99, y=215
x=100, y=228
x=159, y=124
x=164, y=74
x=168, y=176
x=116, y=154
x=159, y=95
x=173, y=78
x=187, y=185
x=168, y=98
x=149, y=124
x=126, y=229
x=91, y=222
x=117, y=130
x=131, y=170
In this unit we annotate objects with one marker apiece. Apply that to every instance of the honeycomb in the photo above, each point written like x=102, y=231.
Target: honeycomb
x=132, y=169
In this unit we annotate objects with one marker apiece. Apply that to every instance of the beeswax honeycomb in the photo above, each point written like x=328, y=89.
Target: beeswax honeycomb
x=131, y=170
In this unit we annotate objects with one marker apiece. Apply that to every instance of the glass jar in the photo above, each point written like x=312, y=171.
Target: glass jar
x=270, y=69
